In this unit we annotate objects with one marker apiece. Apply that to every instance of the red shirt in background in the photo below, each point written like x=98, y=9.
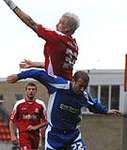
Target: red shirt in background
x=25, y=114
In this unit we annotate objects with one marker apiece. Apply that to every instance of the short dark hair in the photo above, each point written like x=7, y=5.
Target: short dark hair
x=81, y=75
x=30, y=84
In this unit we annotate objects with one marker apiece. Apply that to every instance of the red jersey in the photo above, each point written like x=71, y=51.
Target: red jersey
x=60, y=52
x=25, y=114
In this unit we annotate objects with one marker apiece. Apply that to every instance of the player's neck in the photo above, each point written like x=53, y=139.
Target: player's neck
x=29, y=100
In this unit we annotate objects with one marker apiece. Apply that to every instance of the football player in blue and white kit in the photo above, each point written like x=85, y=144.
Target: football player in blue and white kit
x=64, y=107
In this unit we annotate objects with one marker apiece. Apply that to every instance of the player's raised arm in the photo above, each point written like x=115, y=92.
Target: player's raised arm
x=23, y=16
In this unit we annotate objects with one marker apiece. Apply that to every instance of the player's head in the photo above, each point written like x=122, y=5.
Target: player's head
x=31, y=90
x=80, y=81
x=68, y=23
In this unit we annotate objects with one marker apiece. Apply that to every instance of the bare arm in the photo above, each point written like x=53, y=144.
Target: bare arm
x=12, y=132
x=36, y=127
x=23, y=16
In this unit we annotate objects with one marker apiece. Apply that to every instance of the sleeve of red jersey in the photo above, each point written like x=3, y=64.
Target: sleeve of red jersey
x=12, y=116
x=13, y=113
x=47, y=34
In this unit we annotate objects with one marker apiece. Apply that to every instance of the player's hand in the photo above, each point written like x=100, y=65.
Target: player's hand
x=14, y=140
x=26, y=64
x=114, y=112
x=30, y=127
x=10, y=3
x=12, y=78
x=40, y=147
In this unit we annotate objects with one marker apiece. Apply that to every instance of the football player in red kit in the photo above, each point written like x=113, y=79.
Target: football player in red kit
x=60, y=49
x=28, y=116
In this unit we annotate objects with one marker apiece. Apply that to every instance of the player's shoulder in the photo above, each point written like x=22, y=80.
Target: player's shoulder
x=41, y=27
x=41, y=102
x=62, y=36
x=60, y=33
x=19, y=102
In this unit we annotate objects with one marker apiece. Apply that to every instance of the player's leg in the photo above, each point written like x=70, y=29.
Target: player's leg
x=78, y=143
x=26, y=147
x=53, y=140
x=34, y=139
x=24, y=141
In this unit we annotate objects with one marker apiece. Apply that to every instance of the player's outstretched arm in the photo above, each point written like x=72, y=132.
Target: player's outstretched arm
x=12, y=132
x=23, y=16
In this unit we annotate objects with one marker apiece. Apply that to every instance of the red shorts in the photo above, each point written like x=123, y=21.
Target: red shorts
x=29, y=140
